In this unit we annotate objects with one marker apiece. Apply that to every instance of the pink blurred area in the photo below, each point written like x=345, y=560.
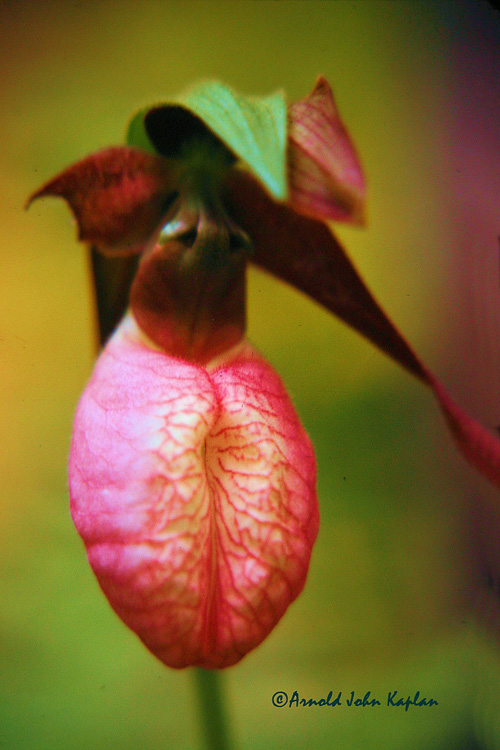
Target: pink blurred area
x=475, y=231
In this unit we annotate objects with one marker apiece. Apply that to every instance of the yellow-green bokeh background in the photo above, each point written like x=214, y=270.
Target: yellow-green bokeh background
x=393, y=570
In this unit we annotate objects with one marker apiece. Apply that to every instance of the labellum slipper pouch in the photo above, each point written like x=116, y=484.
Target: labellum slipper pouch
x=192, y=481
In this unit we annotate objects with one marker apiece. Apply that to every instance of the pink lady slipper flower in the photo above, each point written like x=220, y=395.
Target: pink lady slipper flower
x=192, y=482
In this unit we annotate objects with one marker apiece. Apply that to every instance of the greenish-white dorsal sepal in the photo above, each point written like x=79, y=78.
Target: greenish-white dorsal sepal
x=136, y=132
x=253, y=128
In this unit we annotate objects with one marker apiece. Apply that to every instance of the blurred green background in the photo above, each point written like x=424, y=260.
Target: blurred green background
x=398, y=569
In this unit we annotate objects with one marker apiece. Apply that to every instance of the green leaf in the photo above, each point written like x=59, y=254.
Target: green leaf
x=253, y=128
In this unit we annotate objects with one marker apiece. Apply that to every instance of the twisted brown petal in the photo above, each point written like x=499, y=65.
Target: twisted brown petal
x=303, y=252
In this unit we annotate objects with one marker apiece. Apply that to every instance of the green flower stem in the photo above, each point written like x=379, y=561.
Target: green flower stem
x=213, y=715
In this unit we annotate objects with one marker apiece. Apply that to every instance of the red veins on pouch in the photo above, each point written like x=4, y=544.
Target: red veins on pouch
x=193, y=489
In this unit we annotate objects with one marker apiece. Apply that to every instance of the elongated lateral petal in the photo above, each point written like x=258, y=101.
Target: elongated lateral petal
x=303, y=252
x=112, y=277
x=480, y=447
x=194, y=492
x=324, y=173
x=117, y=196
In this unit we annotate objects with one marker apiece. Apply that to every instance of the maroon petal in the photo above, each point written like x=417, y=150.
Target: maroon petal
x=324, y=173
x=112, y=277
x=480, y=447
x=303, y=252
x=117, y=195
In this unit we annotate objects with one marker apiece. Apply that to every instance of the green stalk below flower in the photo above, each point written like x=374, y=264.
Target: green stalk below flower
x=213, y=715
